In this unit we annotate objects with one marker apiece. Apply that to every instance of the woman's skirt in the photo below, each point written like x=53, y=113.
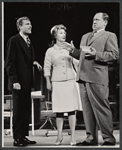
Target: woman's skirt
x=65, y=96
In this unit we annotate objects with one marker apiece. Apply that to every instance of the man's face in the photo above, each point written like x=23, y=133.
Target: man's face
x=98, y=22
x=26, y=27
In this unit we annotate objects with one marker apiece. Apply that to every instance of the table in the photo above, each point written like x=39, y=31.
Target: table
x=9, y=97
x=9, y=114
x=32, y=109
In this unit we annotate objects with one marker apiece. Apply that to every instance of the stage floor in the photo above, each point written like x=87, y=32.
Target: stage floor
x=44, y=141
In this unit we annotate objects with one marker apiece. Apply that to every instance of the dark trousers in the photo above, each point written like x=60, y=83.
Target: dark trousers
x=21, y=113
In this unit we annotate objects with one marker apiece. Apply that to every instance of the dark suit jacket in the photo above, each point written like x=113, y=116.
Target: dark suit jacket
x=18, y=66
x=96, y=70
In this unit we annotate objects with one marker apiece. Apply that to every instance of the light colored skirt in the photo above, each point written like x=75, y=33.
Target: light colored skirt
x=65, y=96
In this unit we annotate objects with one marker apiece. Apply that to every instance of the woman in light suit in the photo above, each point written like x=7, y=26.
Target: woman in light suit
x=65, y=97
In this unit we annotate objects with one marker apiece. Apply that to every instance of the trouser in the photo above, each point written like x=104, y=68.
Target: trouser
x=96, y=111
x=21, y=113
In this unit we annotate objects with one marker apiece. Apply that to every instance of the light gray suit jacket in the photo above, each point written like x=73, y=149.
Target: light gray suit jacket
x=96, y=70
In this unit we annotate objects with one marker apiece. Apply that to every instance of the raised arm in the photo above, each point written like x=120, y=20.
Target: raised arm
x=72, y=50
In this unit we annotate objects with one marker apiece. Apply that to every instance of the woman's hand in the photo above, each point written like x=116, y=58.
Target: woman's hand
x=69, y=46
x=49, y=86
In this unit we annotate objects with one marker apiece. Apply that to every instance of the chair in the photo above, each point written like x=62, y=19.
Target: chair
x=50, y=117
x=8, y=112
x=34, y=95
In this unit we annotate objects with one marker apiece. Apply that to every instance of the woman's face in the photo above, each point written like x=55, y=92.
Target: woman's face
x=61, y=35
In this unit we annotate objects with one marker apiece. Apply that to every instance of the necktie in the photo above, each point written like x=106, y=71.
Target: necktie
x=28, y=42
x=92, y=34
x=28, y=50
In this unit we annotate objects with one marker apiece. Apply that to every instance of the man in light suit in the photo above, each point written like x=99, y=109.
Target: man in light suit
x=19, y=64
x=94, y=54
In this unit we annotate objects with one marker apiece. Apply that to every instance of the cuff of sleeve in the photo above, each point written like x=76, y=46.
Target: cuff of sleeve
x=72, y=51
x=47, y=74
x=14, y=80
x=97, y=56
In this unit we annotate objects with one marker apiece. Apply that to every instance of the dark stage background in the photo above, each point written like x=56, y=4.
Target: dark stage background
x=77, y=17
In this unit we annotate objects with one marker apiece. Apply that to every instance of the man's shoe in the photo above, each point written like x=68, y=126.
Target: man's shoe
x=19, y=142
x=108, y=144
x=84, y=143
x=28, y=141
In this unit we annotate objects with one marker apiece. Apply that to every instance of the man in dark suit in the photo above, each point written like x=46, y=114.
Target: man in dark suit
x=19, y=64
x=94, y=54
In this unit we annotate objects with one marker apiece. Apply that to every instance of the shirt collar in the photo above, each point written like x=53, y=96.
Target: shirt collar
x=57, y=47
x=23, y=36
x=99, y=30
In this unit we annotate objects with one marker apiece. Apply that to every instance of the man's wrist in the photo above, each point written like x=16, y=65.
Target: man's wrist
x=72, y=50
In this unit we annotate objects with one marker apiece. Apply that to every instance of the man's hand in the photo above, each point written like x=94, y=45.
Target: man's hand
x=16, y=86
x=38, y=65
x=91, y=53
x=69, y=46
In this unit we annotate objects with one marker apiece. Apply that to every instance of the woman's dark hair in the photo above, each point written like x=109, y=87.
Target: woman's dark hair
x=53, y=33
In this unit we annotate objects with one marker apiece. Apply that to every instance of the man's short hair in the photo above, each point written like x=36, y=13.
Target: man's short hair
x=20, y=22
x=105, y=16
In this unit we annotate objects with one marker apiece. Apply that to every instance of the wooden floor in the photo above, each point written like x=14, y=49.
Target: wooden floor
x=43, y=141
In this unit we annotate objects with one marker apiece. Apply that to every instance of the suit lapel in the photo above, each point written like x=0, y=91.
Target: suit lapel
x=23, y=45
x=95, y=37
x=32, y=52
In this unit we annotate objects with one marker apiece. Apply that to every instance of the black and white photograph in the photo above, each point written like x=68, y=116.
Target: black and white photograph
x=60, y=74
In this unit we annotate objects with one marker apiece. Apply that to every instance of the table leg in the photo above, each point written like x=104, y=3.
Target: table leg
x=11, y=118
x=32, y=117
